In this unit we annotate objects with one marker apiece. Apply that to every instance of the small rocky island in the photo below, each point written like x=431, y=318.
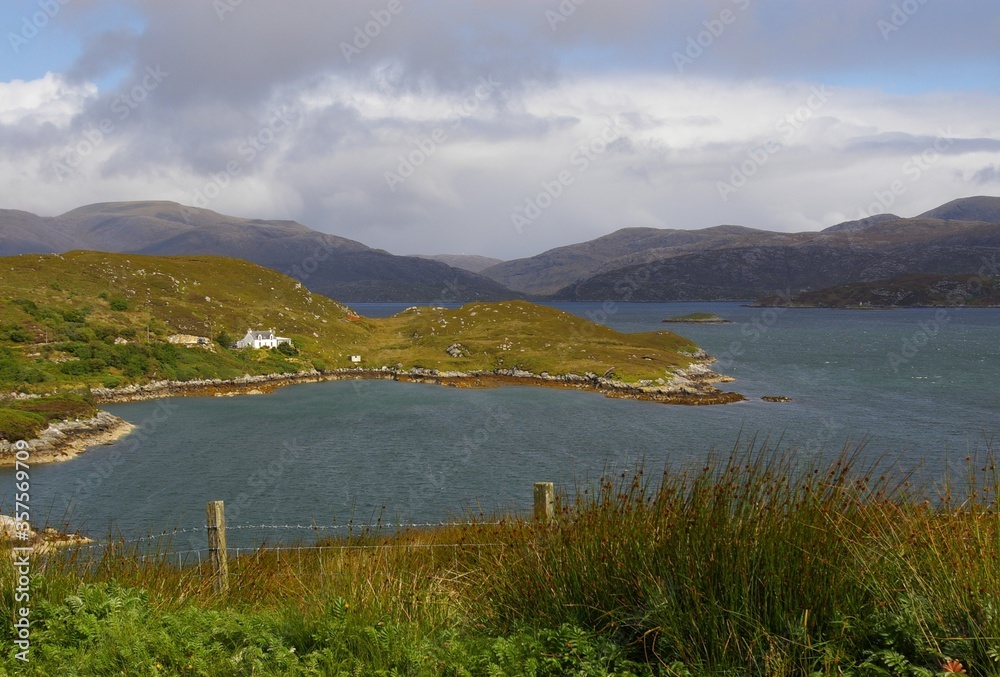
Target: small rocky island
x=698, y=318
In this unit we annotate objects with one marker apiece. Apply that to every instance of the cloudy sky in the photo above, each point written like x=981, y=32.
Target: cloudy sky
x=502, y=127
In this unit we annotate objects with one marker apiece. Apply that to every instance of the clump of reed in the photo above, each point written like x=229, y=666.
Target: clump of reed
x=758, y=561
x=765, y=562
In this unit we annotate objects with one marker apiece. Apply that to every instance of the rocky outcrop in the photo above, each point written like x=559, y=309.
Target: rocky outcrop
x=686, y=386
x=64, y=440
x=691, y=386
x=46, y=540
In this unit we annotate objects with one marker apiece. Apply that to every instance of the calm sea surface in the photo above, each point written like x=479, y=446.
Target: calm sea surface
x=920, y=386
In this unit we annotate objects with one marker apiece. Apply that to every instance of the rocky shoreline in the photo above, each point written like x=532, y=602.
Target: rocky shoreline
x=64, y=440
x=691, y=386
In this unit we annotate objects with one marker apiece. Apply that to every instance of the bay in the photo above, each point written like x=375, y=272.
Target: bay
x=917, y=386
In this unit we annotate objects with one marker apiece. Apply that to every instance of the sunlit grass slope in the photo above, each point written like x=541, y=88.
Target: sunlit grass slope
x=98, y=319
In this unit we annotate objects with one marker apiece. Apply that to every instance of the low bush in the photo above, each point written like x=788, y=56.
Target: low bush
x=20, y=425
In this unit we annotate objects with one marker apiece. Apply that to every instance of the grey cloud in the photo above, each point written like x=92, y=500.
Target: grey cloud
x=229, y=74
x=988, y=174
x=900, y=143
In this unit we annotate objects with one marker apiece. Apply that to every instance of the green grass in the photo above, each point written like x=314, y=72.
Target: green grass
x=696, y=317
x=24, y=419
x=753, y=564
x=90, y=319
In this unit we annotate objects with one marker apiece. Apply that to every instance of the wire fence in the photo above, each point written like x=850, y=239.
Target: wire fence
x=339, y=553
x=334, y=545
x=344, y=537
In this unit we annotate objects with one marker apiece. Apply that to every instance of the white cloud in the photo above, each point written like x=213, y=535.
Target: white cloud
x=50, y=99
x=670, y=140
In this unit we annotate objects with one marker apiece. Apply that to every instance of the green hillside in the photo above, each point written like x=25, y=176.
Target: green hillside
x=522, y=335
x=99, y=319
x=104, y=319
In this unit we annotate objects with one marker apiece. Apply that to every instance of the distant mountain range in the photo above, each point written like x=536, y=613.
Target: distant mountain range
x=906, y=291
x=732, y=262
x=470, y=262
x=637, y=264
x=334, y=266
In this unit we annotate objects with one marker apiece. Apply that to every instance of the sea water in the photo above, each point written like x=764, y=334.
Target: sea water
x=918, y=388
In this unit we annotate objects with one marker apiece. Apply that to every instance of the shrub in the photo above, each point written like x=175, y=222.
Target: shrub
x=56, y=408
x=76, y=315
x=20, y=425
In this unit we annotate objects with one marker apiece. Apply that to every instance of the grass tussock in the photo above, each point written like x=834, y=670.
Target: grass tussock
x=757, y=563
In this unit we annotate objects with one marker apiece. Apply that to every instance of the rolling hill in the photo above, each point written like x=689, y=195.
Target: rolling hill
x=327, y=264
x=103, y=320
x=470, y=262
x=638, y=264
x=731, y=262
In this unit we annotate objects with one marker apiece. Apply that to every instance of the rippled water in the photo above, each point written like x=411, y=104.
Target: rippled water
x=920, y=384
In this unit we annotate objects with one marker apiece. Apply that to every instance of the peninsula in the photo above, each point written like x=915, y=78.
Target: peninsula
x=107, y=328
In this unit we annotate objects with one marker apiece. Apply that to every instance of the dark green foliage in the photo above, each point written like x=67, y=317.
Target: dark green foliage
x=13, y=371
x=24, y=419
x=119, y=304
x=20, y=425
x=106, y=628
x=15, y=333
x=76, y=315
x=225, y=339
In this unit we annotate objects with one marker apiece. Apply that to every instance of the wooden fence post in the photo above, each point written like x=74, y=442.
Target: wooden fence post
x=217, y=553
x=544, y=502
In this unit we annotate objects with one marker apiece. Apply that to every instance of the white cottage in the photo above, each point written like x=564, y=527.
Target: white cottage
x=261, y=339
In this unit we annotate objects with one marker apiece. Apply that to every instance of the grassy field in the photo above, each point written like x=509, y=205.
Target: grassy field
x=98, y=319
x=83, y=320
x=752, y=564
